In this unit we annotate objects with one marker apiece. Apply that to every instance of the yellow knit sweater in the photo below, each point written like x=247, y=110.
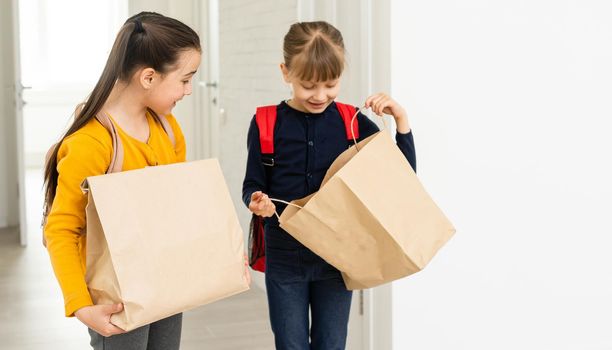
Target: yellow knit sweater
x=85, y=153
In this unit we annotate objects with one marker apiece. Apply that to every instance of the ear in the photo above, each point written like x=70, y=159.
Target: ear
x=285, y=72
x=147, y=77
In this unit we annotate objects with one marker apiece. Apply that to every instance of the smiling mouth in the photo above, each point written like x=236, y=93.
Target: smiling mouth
x=317, y=105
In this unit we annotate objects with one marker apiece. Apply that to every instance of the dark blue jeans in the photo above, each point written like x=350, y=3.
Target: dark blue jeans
x=298, y=280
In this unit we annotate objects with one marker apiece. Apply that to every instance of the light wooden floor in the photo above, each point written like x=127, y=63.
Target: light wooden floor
x=31, y=306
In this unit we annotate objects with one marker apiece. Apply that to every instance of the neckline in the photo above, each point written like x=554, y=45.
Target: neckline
x=286, y=103
x=120, y=129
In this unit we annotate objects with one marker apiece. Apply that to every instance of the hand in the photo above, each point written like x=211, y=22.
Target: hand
x=381, y=104
x=261, y=205
x=97, y=317
x=247, y=273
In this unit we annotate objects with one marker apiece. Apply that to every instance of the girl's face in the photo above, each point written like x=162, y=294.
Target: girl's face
x=311, y=96
x=166, y=90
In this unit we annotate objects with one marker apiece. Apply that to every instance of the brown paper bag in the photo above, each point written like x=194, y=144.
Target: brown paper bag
x=162, y=240
x=371, y=218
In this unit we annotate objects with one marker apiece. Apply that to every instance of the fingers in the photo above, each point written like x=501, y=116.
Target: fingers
x=247, y=273
x=97, y=317
x=268, y=208
x=261, y=204
x=380, y=104
x=256, y=195
x=371, y=99
x=257, y=202
x=264, y=202
x=111, y=308
x=118, y=308
x=111, y=329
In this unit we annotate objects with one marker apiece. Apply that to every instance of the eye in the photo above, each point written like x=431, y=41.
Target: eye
x=308, y=87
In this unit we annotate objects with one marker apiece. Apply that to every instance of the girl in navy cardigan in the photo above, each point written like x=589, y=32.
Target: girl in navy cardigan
x=309, y=134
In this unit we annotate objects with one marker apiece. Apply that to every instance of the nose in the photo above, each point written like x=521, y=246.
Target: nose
x=320, y=95
x=188, y=89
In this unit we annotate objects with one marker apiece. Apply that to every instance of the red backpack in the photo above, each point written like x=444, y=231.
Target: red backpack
x=265, y=117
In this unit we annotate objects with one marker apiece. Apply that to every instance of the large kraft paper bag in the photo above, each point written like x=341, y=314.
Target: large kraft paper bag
x=162, y=240
x=371, y=219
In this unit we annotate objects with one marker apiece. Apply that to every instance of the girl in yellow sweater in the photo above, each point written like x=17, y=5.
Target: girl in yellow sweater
x=149, y=69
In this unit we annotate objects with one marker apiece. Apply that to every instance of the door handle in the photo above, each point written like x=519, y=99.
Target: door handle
x=19, y=94
x=212, y=84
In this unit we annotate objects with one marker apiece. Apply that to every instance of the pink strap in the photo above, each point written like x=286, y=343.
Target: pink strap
x=165, y=124
x=116, y=164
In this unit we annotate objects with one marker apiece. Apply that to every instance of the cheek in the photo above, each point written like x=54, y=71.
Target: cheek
x=300, y=94
x=165, y=96
x=333, y=93
x=174, y=93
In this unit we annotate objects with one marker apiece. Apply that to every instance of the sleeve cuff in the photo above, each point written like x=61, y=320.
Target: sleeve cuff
x=74, y=304
x=406, y=134
x=404, y=138
x=247, y=198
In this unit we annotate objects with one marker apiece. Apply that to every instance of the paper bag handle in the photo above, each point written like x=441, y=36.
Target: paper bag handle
x=353, y=121
x=285, y=202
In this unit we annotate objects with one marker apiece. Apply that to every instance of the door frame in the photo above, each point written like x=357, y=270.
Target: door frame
x=18, y=120
x=207, y=98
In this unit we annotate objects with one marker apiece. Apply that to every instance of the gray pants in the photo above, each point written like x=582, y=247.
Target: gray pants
x=161, y=335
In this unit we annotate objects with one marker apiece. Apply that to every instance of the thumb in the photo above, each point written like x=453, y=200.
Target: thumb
x=117, y=308
x=112, y=308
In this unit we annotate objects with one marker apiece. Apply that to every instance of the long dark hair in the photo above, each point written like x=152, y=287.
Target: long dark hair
x=147, y=39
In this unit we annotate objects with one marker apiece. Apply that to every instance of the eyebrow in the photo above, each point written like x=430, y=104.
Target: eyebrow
x=190, y=73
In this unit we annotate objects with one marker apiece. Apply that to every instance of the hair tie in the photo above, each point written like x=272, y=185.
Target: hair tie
x=138, y=28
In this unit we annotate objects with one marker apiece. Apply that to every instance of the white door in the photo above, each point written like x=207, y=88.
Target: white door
x=23, y=222
x=60, y=67
x=208, y=84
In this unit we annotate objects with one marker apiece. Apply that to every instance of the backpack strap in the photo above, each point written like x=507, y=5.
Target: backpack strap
x=165, y=125
x=116, y=163
x=347, y=112
x=265, y=117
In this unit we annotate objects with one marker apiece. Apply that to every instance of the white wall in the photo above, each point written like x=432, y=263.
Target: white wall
x=510, y=106
x=9, y=212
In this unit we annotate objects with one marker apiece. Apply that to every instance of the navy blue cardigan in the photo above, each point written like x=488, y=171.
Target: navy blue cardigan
x=305, y=146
